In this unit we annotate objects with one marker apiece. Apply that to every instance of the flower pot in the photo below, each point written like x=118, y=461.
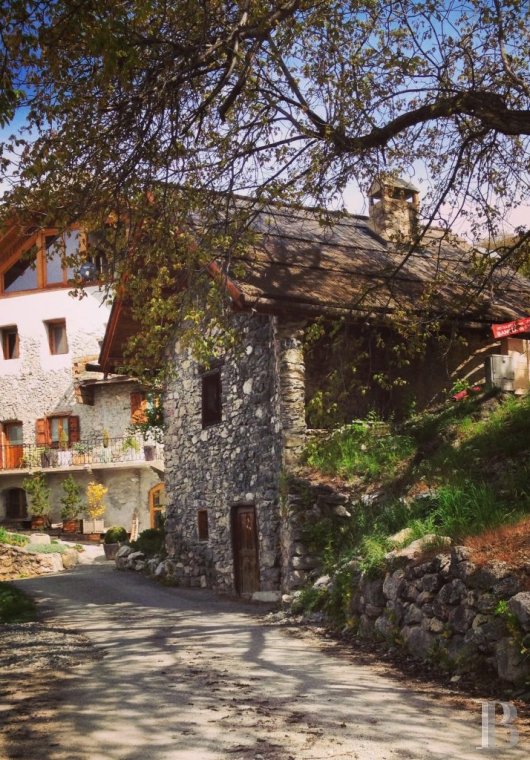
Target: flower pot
x=92, y=536
x=111, y=550
x=149, y=453
x=93, y=526
x=39, y=521
x=71, y=526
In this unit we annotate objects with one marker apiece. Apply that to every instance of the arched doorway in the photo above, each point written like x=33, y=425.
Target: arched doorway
x=15, y=504
x=157, y=505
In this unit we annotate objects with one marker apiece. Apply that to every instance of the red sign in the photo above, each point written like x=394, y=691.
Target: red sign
x=511, y=328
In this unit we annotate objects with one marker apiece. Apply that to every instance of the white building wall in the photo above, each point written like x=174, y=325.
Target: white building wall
x=39, y=384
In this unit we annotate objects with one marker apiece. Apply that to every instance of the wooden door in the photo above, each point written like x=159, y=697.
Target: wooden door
x=15, y=501
x=245, y=543
x=13, y=450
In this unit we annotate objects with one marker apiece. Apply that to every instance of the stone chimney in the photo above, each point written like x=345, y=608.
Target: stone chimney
x=394, y=206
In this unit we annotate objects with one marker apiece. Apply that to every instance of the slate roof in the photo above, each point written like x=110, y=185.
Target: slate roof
x=305, y=261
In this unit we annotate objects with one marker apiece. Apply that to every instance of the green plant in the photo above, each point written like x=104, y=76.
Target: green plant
x=39, y=494
x=71, y=500
x=115, y=535
x=63, y=440
x=131, y=443
x=150, y=541
x=46, y=549
x=15, y=606
x=14, y=539
x=105, y=438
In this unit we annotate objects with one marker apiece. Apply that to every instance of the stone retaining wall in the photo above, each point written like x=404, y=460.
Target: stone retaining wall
x=447, y=609
x=17, y=563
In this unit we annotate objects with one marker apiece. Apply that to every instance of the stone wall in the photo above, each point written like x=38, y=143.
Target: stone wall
x=237, y=461
x=447, y=609
x=17, y=563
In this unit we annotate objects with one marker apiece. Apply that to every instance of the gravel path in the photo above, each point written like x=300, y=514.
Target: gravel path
x=145, y=672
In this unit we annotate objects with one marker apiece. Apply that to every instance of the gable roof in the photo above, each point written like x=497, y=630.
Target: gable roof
x=308, y=262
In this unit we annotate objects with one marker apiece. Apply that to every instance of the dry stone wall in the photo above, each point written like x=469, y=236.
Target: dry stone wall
x=17, y=563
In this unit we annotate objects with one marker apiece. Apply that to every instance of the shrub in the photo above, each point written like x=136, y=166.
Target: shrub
x=46, y=549
x=39, y=494
x=71, y=501
x=150, y=541
x=95, y=493
x=115, y=535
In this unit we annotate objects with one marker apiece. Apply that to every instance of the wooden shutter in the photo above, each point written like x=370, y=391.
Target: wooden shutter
x=138, y=405
x=73, y=429
x=42, y=432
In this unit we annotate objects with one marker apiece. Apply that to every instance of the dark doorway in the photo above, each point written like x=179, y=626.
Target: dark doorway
x=15, y=501
x=245, y=543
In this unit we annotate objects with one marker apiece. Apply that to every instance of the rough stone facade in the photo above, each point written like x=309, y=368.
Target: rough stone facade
x=237, y=461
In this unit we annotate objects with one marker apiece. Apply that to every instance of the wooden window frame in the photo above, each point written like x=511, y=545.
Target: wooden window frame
x=211, y=382
x=6, y=332
x=50, y=325
x=43, y=430
x=203, y=531
x=38, y=239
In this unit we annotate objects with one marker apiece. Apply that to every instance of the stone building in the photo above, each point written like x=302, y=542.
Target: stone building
x=236, y=427
x=55, y=416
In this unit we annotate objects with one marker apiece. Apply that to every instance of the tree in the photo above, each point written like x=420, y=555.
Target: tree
x=285, y=99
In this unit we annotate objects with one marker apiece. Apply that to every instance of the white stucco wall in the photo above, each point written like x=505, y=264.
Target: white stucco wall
x=38, y=384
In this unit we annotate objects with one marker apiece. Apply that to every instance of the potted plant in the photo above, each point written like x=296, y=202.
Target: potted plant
x=39, y=500
x=95, y=493
x=81, y=454
x=71, y=505
x=113, y=539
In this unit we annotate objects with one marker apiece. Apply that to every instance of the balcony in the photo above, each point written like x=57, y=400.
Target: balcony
x=89, y=454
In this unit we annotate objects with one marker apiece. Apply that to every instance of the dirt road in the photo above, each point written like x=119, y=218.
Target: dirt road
x=176, y=674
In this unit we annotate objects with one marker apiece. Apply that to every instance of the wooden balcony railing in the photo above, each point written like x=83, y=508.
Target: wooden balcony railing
x=87, y=452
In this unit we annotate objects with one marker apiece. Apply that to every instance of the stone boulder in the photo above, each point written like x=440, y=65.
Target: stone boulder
x=519, y=605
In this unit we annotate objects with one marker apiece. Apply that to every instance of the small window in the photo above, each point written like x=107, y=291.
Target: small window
x=57, y=337
x=10, y=342
x=202, y=524
x=211, y=398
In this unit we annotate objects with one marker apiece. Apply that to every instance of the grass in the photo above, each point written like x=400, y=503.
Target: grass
x=360, y=450
x=15, y=606
x=14, y=539
x=469, y=462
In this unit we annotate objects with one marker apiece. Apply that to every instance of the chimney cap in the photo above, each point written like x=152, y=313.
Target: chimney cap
x=376, y=188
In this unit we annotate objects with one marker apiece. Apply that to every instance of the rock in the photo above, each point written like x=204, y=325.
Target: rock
x=486, y=602
x=463, y=570
x=431, y=582
x=372, y=591
x=460, y=554
x=39, y=538
x=434, y=625
x=372, y=610
x=70, y=559
x=139, y=565
x=265, y=596
x=322, y=582
x=511, y=665
x=487, y=576
x=413, y=615
x=385, y=627
x=304, y=563
x=519, y=605
x=393, y=585
x=341, y=511
x=453, y=592
x=416, y=548
x=418, y=641
x=507, y=586
x=401, y=537
x=461, y=618
x=135, y=556
x=124, y=551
